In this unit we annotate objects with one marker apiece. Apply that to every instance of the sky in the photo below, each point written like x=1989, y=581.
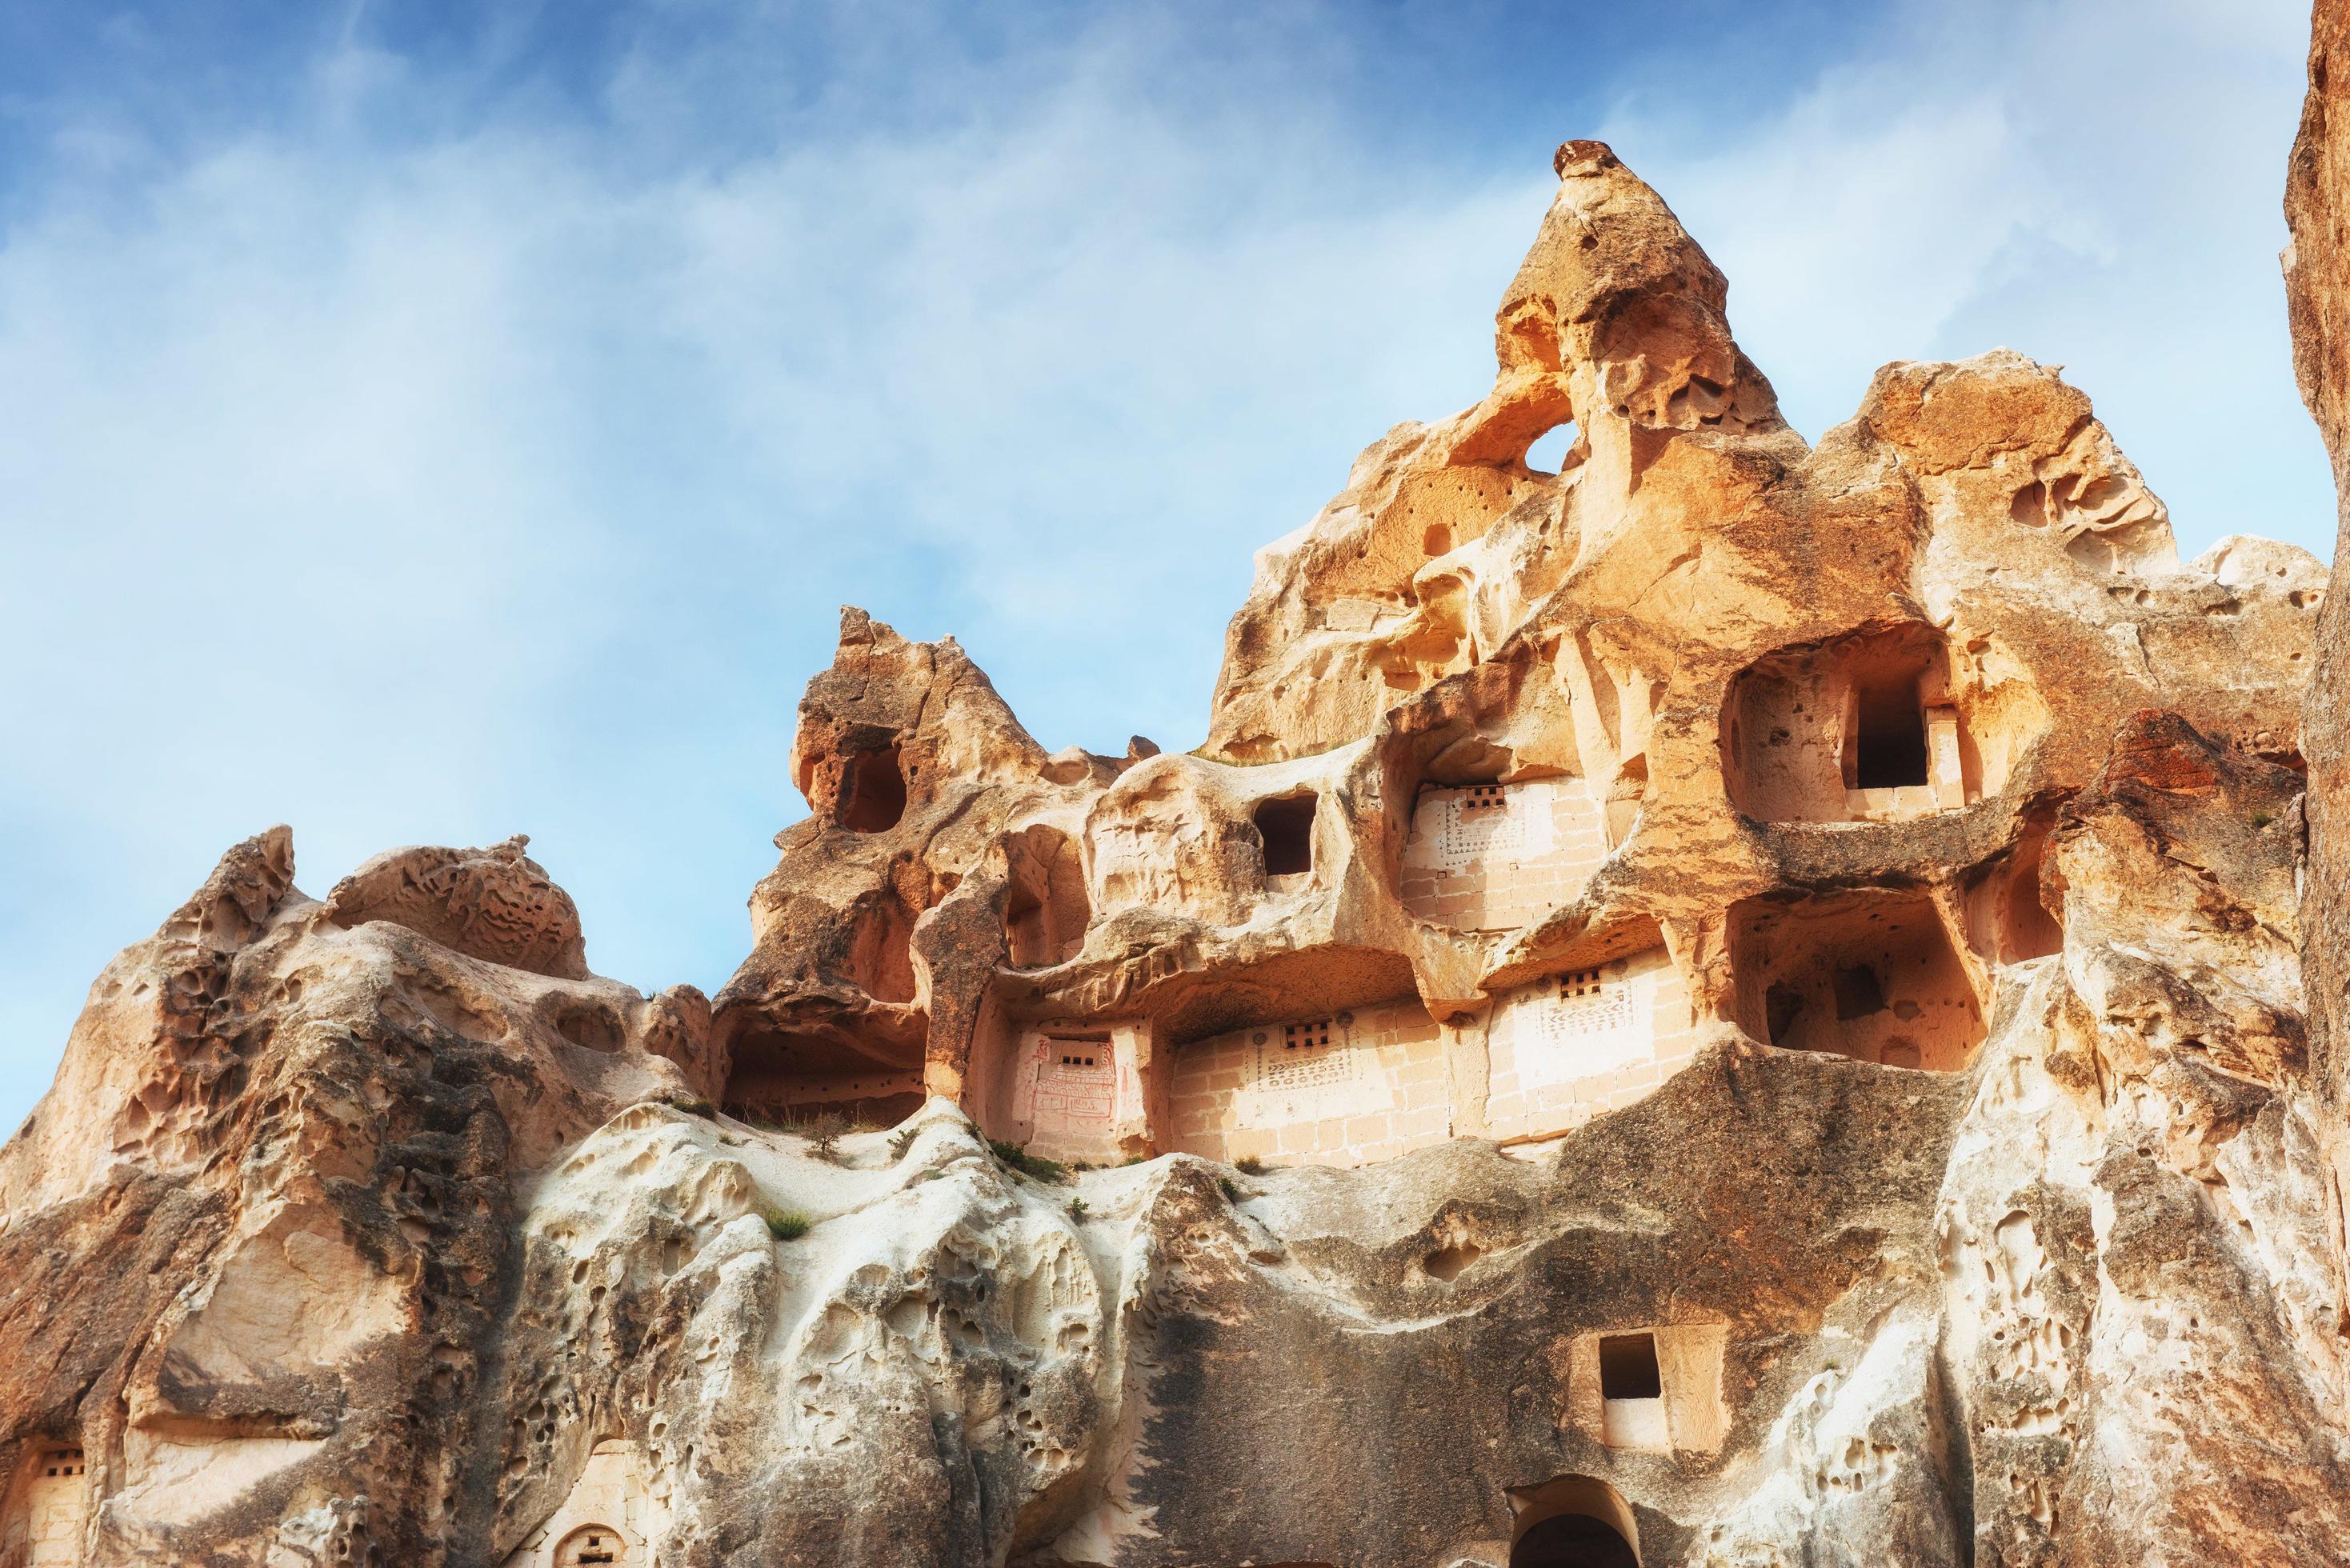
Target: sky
x=421, y=422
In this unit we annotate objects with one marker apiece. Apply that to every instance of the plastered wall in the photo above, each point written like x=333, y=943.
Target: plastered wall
x=1569, y=1046
x=1358, y=1086
x=1491, y=857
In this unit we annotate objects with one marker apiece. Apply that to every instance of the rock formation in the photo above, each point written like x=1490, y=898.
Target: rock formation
x=1731, y=1005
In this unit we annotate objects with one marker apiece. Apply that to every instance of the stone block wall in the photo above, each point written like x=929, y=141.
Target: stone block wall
x=1492, y=857
x=1570, y=1046
x=54, y=1508
x=1359, y=1085
x=609, y=1518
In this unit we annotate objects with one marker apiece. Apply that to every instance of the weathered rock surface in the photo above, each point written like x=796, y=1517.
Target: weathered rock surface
x=1731, y=1005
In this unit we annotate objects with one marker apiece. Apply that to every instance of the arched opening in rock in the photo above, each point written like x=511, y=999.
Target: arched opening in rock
x=591, y=1026
x=1446, y=1263
x=872, y=791
x=2008, y=916
x=1044, y=909
x=1572, y=1540
x=1285, y=829
x=1554, y=450
x=592, y=1544
x=1624, y=797
x=881, y=948
x=1575, y=1521
x=783, y=1071
x=1872, y=976
x=1874, y=726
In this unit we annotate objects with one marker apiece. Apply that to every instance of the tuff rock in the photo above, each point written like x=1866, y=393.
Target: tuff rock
x=1734, y=1003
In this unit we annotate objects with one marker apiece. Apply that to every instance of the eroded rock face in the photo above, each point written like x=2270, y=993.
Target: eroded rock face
x=1731, y=1005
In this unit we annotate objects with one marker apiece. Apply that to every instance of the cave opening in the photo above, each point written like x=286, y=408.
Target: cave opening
x=1572, y=1540
x=1286, y=827
x=1574, y=1521
x=873, y=793
x=1888, y=733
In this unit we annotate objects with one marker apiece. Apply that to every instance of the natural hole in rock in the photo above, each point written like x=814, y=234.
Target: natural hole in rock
x=591, y=1028
x=881, y=949
x=1888, y=736
x=873, y=792
x=1551, y=449
x=1628, y=1367
x=2013, y=915
x=1436, y=541
x=1447, y=1263
x=1286, y=828
x=1046, y=910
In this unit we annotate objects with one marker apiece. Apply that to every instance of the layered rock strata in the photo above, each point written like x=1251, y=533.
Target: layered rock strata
x=1728, y=1004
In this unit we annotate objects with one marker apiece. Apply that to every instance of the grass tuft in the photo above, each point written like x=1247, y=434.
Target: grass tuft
x=1249, y=1165
x=785, y=1224
x=1036, y=1165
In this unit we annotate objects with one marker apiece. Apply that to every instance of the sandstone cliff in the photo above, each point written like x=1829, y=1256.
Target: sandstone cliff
x=1731, y=1004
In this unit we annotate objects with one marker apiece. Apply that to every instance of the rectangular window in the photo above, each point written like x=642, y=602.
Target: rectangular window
x=1628, y=1367
x=1889, y=738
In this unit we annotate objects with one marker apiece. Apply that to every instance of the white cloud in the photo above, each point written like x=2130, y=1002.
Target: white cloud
x=2095, y=184
x=417, y=476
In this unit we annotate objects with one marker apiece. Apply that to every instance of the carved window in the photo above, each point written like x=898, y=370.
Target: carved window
x=1286, y=828
x=592, y=1546
x=1311, y=1054
x=1888, y=737
x=1588, y=1002
x=1628, y=1367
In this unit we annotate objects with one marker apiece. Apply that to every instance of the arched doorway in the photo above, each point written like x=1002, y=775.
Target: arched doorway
x=1573, y=1521
x=1572, y=1541
x=592, y=1546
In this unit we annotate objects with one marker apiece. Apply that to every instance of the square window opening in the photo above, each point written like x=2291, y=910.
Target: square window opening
x=1628, y=1367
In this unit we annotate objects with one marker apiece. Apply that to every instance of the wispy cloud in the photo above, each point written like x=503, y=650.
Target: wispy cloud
x=436, y=442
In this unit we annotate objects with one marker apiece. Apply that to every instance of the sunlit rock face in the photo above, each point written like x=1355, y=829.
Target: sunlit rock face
x=1722, y=1003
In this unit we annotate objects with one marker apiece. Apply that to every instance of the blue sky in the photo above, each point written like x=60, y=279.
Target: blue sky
x=424, y=422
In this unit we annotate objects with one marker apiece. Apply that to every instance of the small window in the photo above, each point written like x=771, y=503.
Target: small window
x=1628, y=1367
x=1286, y=828
x=1888, y=736
x=1858, y=993
x=873, y=791
x=1309, y=1036
x=1579, y=982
